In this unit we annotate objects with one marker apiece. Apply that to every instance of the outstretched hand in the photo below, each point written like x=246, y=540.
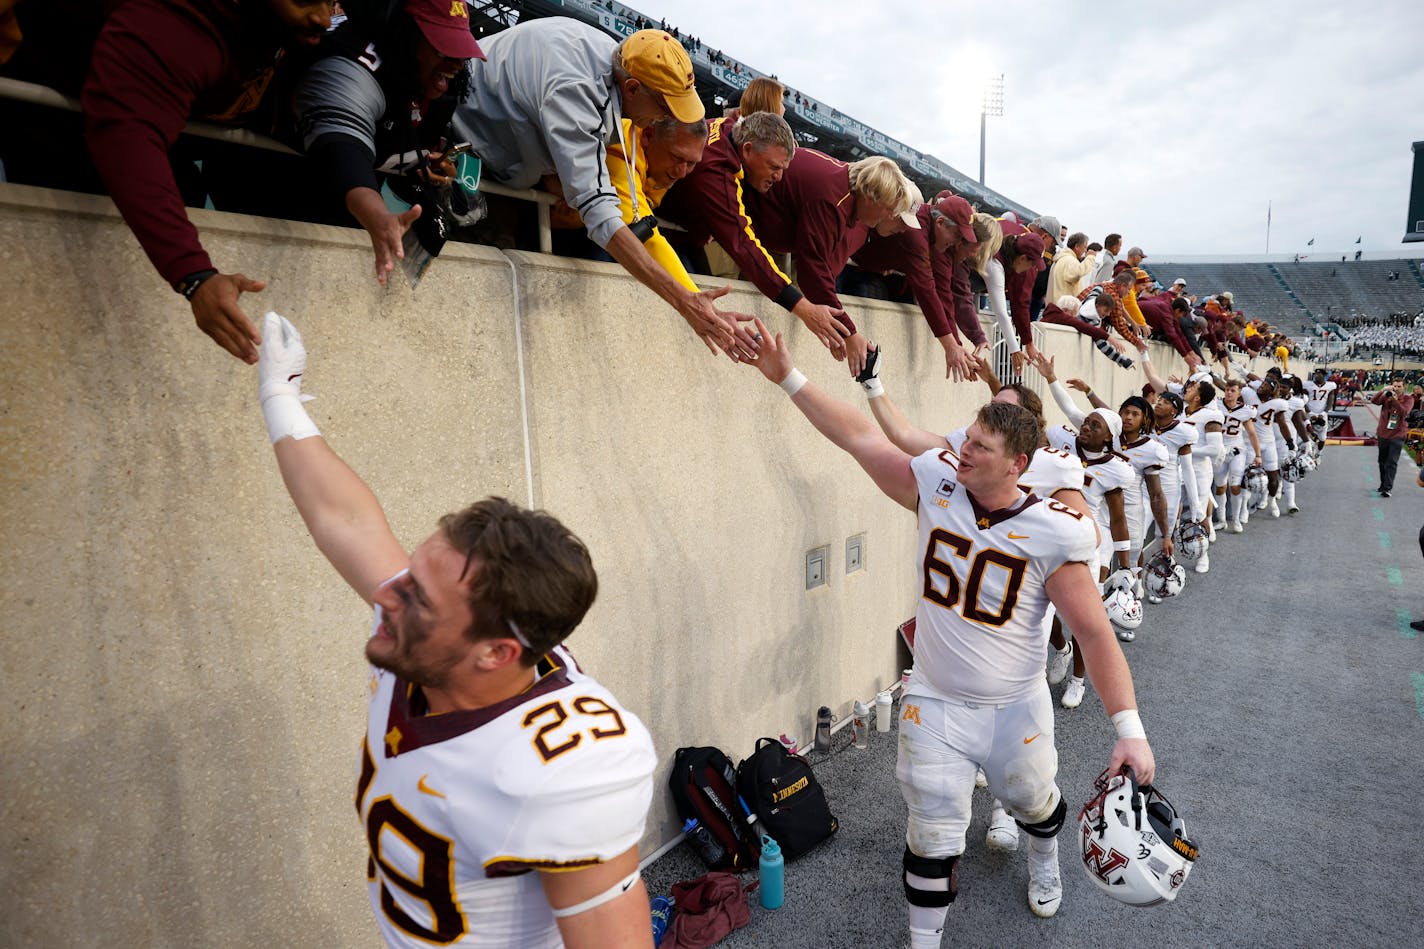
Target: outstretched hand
x=773, y=358
x=216, y=312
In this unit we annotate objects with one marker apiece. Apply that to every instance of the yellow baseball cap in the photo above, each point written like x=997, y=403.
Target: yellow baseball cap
x=659, y=62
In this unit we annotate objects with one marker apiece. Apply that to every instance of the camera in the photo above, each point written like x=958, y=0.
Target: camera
x=643, y=228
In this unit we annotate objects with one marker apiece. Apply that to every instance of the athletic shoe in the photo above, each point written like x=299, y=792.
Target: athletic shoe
x=1293, y=510
x=1153, y=598
x=1073, y=695
x=1204, y=564
x=1383, y=493
x=1126, y=635
x=1211, y=532
x=1003, y=832
x=1236, y=527
x=1060, y=663
x=1417, y=625
x=980, y=779
x=1274, y=510
x=1045, y=887
x=1245, y=513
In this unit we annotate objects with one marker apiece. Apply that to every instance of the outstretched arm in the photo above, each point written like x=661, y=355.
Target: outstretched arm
x=342, y=514
x=1044, y=364
x=849, y=430
x=906, y=437
x=1154, y=380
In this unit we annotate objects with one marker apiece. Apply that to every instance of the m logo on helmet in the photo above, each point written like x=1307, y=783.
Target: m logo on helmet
x=1099, y=862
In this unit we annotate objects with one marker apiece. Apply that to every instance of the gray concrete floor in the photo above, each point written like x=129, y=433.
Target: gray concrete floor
x=1284, y=696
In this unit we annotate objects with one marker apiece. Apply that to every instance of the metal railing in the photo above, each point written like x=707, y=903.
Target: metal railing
x=35, y=94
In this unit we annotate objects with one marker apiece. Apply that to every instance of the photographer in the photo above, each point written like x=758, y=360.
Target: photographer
x=381, y=99
x=1394, y=410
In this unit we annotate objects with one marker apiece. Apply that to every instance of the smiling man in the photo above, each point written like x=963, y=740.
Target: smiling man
x=502, y=791
x=993, y=558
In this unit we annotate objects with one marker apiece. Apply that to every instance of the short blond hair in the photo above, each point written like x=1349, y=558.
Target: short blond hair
x=881, y=180
x=990, y=235
x=762, y=95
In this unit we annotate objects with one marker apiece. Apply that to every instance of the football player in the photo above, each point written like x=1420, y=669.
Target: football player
x=1319, y=400
x=1199, y=396
x=1057, y=475
x=502, y=791
x=1231, y=473
x=994, y=557
x=1293, y=391
x=1178, y=477
x=1272, y=436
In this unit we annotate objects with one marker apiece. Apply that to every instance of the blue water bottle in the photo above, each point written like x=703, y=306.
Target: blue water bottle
x=662, y=916
x=773, y=882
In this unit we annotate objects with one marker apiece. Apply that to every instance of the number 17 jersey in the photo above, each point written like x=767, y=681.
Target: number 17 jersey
x=980, y=631
x=462, y=809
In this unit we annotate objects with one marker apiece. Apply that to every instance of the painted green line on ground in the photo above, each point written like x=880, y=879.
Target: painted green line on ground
x=1418, y=691
x=1405, y=618
x=1385, y=542
x=1379, y=515
x=1395, y=577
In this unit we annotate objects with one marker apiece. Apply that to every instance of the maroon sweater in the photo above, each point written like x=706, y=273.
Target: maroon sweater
x=156, y=64
x=710, y=204
x=1018, y=287
x=910, y=253
x=1157, y=311
x=810, y=212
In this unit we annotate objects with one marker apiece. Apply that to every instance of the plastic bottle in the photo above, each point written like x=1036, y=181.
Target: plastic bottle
x=861, y=724
x=905, y=680
x=662, y=917
x=823, y=729
x=703, y=842
x=882, y=712
x=773, y=877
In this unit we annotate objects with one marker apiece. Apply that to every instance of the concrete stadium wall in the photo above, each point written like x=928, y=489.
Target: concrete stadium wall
x=186, y=672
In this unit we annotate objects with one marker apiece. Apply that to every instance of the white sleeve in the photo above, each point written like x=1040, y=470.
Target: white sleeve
x=1066, y=403
x=994, y=284
x=1216, y=447
x=1189, y=483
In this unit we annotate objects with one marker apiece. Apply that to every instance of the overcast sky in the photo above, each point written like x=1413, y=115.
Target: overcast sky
x=1172, y=123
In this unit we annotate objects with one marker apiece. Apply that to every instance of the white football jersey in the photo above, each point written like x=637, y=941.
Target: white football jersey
x=980, y=630
x=1180, y=434
x=1049, y=470
x=1266, y=412
x=1297, y=403
x=1233, y=431
x=1317, y=396
x=1146, y=456
x=460, y=809
x=1107, y=472
x=1249, y=395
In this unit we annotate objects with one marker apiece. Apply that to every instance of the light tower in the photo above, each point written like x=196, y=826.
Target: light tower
x=992, y=104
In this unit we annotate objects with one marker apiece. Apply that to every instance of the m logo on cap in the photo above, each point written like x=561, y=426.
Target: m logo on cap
x=457, y=8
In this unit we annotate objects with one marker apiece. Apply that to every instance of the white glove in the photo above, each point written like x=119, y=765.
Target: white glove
x=869, y=377
x=280, y=363
x=1120, y=579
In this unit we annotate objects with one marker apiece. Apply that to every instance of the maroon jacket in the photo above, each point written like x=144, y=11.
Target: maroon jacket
x=964, y=307
x=710, y=204
x=910, y=252
x=1018, y=287
x=1395, y=415
x=156, y=64
x=1157, y=311
x=810, y=212
x=1052, y=313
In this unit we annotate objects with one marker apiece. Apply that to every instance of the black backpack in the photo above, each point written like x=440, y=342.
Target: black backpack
x=787, y=799
x=703, y=785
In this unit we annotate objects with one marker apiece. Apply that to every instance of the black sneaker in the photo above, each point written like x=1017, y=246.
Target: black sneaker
x=1417, y=625
x=1384, y=494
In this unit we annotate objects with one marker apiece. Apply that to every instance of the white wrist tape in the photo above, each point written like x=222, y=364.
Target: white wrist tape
x=873, y=387
x=612, y=893
x=1122, y=545
x=793, y=382
x=286, y=418
x=1128, y=724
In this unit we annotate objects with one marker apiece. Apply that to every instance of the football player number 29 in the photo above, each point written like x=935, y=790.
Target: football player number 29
x=946, y=554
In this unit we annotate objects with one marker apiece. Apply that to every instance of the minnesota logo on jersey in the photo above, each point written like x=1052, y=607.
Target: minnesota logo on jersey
x=459, y=808
x=980, y=632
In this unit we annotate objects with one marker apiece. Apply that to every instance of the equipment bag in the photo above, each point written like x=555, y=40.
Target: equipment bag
x=782, y=791
x=703, y=784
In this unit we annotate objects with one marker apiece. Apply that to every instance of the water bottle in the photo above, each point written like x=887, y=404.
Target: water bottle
x=861, y=724
x=905, y=680
x=773, y=882
x=882, y=712
x=823, y=729
x=662, y=916
x=703, y=842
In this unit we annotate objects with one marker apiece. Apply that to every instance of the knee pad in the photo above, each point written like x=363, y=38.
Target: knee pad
x=1050, y=826
x=924, y=877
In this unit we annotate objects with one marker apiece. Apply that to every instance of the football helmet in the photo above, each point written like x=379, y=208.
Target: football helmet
x=1257, y=485
x=1190, y=541
x=1135, y=847
x=1124, y=608
x=1164, y=577
x=1318, y=425
x=1291, y=470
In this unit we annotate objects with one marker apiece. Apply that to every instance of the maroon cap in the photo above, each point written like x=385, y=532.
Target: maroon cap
x=446, y=26
x=1031, y=246
x=959, y=212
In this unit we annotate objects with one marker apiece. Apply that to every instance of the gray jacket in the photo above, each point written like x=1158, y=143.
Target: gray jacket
x=543, y=102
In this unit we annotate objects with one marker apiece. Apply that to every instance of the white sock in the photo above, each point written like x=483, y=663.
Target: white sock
x=1288, y=492
x=922, y=938
x=1073, y=680
x=1043, y=848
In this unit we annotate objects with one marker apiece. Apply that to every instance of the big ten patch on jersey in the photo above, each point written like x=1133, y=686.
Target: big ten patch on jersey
x=459, y=808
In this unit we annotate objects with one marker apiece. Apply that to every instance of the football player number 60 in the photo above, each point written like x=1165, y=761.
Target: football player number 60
x=939, y=572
